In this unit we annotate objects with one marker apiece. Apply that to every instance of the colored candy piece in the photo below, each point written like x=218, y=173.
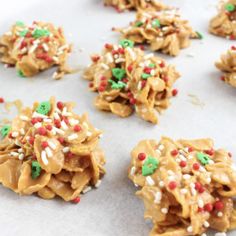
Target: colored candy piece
x=149, y=166
x=152, y=65
x=118, y=85
x=20, y=23
x=44, y=108
x=126, y=43
x=118, y=73
x=156, y=23
x=23, y=33
x=35, y=169
x=229, y=7
x=145, y=76
x=38, y=33
x=203, y=158
x=139, y=23
x=20, y=74
x=200, y=36
x=5, y=130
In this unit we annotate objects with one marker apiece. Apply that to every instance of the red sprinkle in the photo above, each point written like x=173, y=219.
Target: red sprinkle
x=141, y=156
x=198, y=186
x=57, y=123
x=90, y=84
x=69, y=155
x=101, y=89
x=174, y=152
x=183, y=164
x=44, y=144
x=31, y=140
x=219, y=205
x=147, y=70
x=200, y=209
x=190, y=149
x=60, y=105
x=76, y=200
x=95, y=58
x=208, y=207
x=2, y=100
x=172, y=185
x=222, y=78
x=77, y=128
x=210, y=152
x=233, y=48
x=143, y=83
x=130, y=68
x=132, y=101
x=42, y=131
x=48, y=127
x=34, y=121
x=196, y=166
x=108, y=46
x=174, y=92
x=61, y=140
x=162, y=64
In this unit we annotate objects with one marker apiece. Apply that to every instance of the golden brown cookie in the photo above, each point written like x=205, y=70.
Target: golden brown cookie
x=35, y=48
x=51, y=151
x=127, y=80
x=187, y=186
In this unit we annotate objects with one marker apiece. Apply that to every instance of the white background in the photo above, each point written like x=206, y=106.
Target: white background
x=113, y=209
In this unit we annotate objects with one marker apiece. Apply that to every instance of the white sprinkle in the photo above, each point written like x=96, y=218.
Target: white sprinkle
x=153, y=72
x=120, y=60
x=158, y=197
x=89, y=134
x=22, y=131
x=73, y=122
x=32, y=49
x=219, y=214
x=20, y=150
x=36, y=114
x=206, y=224
x=211, y=162
x=21, y=156
x=55, y=74
x=66, y=149
x=97, y=185
x=161, y=147
x=186, y=176
x=59, y=131
x=132, y=170
x=109, y=58
x=14, y=154
x=193, y=191
x=161, y=184
x=150, y=181
x=64, y=125
x=158, y=151
x=55, y=59
x=200, y=203
x=58, y=110
x=182, y=157
x=49, y=152
x=171, y=178
x=190, y=229
x=47, y=120
x=14, y=134
x=37, y=125
x=132, y=53
x=164, y=210
x=208, y=180
x=45, y=47
x=202, y=169
x=170, y=172
x=52, y=145
x=17, y=142
x=104, y=66
x=183, y=191
x=65, y=46
x=44, y=158
x=86, y=190
x=65, y=113
x=56, y=116
x=72, y=137
x=25, y=118
x=178, y=160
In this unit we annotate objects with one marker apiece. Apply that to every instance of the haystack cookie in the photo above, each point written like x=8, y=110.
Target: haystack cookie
x=163, y=31
x=187, y=186
x=121, y=5
x=224, y=23
x=227, y=64
x=127, y=80
x=35, y=48
x=51, y=151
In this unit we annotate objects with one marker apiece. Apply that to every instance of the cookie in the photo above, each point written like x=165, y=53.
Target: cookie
x=127, y=80
x=187, y=186
x=163, y=31
x=51, y=151
x=35, y=48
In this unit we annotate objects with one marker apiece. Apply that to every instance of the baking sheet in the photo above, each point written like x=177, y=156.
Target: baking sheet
x=113, y=209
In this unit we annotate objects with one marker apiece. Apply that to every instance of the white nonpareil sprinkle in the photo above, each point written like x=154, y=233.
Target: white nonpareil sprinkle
x=109, y=58
x=158, y=197
x=132, y=170
x=97, y=185
x=182, y=157
x=120, y=60
x=65, y=149
x=132, y=53
x=220, y=234
x=24, y=118
x=44, y=158
x=14, y=134
x=190, y=229
x=161, y=147
x=208, y=180
x=171, y=178
x=52, y=145
x=87, y=189
x=178, y=160
x=219, y=214
x=14, y=154
x=89, y=134
x=150, y=181
x=183, y=191
x=49, y=152
x=73, y=137
x=164, y=210
x=200, y=203
x=206, y=224
x=65, y=113
x=161, y=184
x=45, y=47
x=64, y=125
x=59, y=131
x=20, y=150
x=21, y=156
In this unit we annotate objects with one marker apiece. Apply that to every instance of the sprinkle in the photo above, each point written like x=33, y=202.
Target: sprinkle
x=36, y=114
x=141, y=156
x=208, y=207
x=24, y=118
x=76, y=200
x=52, y=145
x=44, y=158
x=150, y=181
x=149, y=166
x=38, y=125
x=21, y=156
x=35, y=169
x=219, y=214
x=87, y=189
x=170, y=172
x=158, y=197
x=161, y=184
x=66, y=149
x=164, y=210
x=200, y=203
x=219, y=205
x=97, y=185
x=73, y=122
x=203, y=158
x=45, y=47
x=183, y=191
x=73, y=137
x=172, y=185
x=186, y=176
x=59, y=131
x=49, y=152
x=190, y=229
x=196, y=166
x=64, y=126
x=14, y=154
x=125, y=43
x=206, y=224
x=56, y=116
x=14, y=134
x=104, y=66
x=132, y=170
x=43, y=108
x=161, y=147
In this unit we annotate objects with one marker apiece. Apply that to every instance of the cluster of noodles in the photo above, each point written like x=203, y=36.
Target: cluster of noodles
x=120, y=5
x=187, y=186
x=35, y=48
x=145, y=84
x=227, y=64
x=62, y=145
x=224, y=23
x=164, y=31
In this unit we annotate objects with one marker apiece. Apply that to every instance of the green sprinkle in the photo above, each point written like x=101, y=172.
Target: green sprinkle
x=203, y=158
x=145, y=76
x=156, y=23
x=118, y=73
x=229, y=7
x=44, y=108
x=138, y=23
x=200, y=36
x=20, y=23
x=35, y=169
x=20, y=74
x=5, y=130
x=23, y=33
x=119, y=85
x=38, y=33
x=152, y=65
x=126, y=43
x=149, y=166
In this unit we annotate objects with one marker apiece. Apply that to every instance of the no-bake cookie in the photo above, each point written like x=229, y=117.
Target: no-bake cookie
x=122, y=5
x=163, y=31
x=127, y=80
x=35, y=48
x=224, y=23
x=227, y=64
x=51, y=151
x=187, y=186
